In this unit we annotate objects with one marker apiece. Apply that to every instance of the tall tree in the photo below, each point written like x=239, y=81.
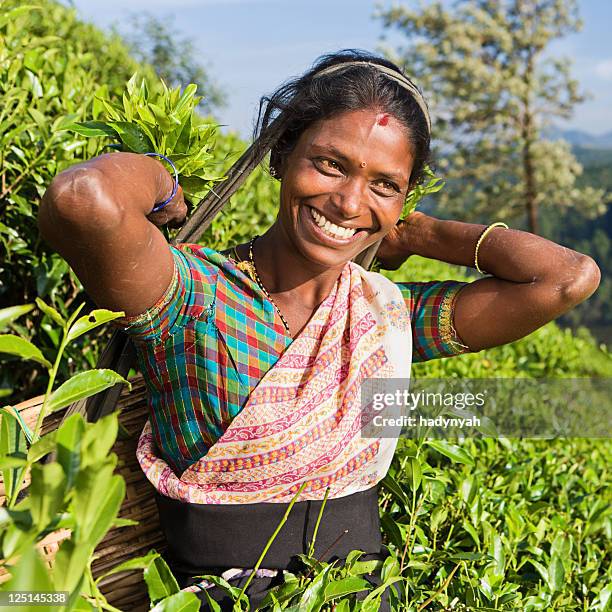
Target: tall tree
x=493, y=90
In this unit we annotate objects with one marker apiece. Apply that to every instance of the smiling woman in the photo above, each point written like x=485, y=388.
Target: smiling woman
x=254, y=356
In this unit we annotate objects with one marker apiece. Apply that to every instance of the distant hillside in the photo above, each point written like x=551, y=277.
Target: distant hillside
x=579, y=138
x=588, y=156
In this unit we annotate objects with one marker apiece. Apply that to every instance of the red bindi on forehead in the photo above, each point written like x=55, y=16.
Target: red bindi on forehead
x=383, y=119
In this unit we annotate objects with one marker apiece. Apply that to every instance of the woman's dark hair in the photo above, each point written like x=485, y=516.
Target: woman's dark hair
x=306, y=99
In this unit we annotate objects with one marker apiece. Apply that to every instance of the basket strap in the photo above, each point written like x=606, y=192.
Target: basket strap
x=215, y=200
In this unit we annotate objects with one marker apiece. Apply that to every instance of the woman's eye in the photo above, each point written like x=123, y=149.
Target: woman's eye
x=387, y=186
x=329, y=164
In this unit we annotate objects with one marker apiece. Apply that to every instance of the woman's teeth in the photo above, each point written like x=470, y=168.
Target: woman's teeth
x=333, y=230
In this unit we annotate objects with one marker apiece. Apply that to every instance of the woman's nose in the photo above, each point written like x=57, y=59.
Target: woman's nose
x=350, y=198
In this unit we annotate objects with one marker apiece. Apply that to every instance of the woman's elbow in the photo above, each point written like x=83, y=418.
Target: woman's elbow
x=582, y=281
x=76, y=199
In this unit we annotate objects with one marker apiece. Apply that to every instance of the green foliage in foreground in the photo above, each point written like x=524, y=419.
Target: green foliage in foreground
x=78, y=490
x=502, y=524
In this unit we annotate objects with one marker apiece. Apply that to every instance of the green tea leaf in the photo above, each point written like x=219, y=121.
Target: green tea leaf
x=390, y=569
x=46, y=493
x=346, y=586
x=313, y=597
x=99, y=438
x=469, y=556
x=19, y=347
x=29, y=434
x=284, y=592
x=42, y=447
x=453, y=452
x=561, y=546
x=69, y=439
x=179, y=602
x=133, y=137
x=94, y=319
x=93, y=128
x=13, y=14
x=372, y=600
x=51, y=312
x=473, y=533
x=83, y=385
x=70, y=562
x=9, y=462
x=107, y=509
x=556, y=574
x=8, y=315
x=160, y=581
x=496, y=550
x=367, y=567
x=396, y=490
x=343, y=606
x=186, y=100
x=12, y=445
x=90, y=482
x=73, y=317
x=413, y=473
x=392, y=530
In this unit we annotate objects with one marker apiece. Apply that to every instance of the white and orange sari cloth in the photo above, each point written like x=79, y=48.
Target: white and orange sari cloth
x=303, y=422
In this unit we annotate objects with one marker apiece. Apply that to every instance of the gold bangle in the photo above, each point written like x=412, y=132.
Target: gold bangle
x=482, y=236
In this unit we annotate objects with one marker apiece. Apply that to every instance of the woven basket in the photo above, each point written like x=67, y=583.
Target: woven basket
x=126, y=590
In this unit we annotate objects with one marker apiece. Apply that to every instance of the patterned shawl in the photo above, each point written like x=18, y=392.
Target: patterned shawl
x=303, y=421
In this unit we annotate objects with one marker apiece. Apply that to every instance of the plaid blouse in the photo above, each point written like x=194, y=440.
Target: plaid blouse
x=213, y=335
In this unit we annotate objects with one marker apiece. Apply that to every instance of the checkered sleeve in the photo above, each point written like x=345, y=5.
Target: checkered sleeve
x=431, y=308
x=183, y=299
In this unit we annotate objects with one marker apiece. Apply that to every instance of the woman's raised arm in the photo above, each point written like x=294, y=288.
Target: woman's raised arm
x=533, y=279
x=97, y=215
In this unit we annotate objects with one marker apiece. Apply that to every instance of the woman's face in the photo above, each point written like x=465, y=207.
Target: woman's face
x=344, y=184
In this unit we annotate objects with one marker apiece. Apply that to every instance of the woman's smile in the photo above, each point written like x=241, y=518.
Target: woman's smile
x=327, y=231
x=329, y=227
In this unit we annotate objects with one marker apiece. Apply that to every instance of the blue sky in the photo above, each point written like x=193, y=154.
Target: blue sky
x=251, y=46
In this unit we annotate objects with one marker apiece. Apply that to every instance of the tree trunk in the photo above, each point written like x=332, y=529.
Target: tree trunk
x=528, y=138
x=530, y=189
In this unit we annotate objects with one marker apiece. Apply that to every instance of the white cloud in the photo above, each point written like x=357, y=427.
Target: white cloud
x=603, y=69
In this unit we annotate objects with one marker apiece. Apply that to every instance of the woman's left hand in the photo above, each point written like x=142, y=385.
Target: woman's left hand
x=394, y=249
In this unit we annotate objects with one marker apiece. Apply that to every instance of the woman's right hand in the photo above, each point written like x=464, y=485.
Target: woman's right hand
x=172, y=214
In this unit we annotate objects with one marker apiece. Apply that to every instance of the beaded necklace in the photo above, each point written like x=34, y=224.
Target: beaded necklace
x=249, y=268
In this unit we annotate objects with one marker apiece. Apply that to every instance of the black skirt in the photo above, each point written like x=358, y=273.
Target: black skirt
x=211, y=538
